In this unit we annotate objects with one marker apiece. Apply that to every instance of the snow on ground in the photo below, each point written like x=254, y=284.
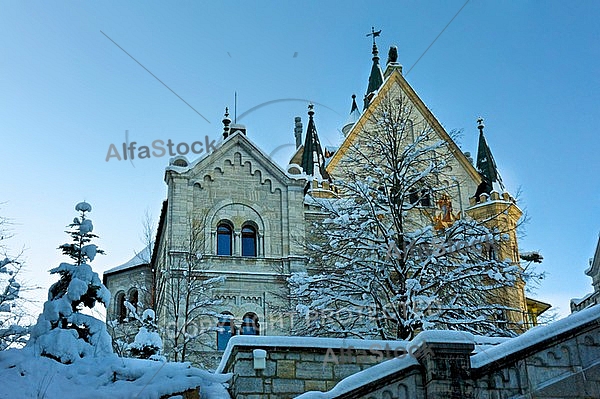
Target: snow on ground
x=26, y=375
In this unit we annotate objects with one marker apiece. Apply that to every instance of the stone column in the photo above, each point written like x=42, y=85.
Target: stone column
x=445, y=355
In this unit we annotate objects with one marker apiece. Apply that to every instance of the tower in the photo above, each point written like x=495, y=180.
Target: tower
x=492, y=203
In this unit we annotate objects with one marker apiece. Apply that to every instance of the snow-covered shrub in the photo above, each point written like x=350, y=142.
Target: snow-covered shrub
x=62, y=332
x=147, y=343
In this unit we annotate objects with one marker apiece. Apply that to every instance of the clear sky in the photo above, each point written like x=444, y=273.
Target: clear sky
x=530, y=68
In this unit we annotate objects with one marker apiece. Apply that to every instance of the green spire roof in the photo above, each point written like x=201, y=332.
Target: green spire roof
x=312, y=155
x=486, y=164
x=376, y=76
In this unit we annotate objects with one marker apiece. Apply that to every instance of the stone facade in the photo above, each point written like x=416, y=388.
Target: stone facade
x=236, y=200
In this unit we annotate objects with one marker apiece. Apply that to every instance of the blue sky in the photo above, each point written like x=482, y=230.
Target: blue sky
x=529, y=68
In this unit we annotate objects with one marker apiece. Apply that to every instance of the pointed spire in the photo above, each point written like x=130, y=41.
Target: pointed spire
x=226, y=123
x=352, y=118
x=313, y=161
x=354, y=106
x=376, y=76
x=486, y=165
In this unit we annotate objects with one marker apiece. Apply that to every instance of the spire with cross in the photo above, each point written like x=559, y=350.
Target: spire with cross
x=374, y=34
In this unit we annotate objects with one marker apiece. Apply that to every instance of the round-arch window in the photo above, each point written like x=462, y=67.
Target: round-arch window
x=224, y=239
x=121, y=310
x=250, y=324
x=225, y=330
x=248, y=241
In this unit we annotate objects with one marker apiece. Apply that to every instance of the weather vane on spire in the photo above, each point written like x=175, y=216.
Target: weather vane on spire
x=480, y=125
x=374, y=34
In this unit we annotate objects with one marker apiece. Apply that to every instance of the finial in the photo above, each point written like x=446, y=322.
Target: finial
x=226, y=123
x=375, y=34
x=354, y=106
x=311, y=111
x=393, y=55
x=480, y=124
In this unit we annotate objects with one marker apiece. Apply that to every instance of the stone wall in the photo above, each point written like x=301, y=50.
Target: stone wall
x=560, y=360
x=291, y=370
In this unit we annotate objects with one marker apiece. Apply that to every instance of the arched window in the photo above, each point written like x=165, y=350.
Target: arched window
x=250, y=324
x=120, y=309
x=225, y=330
x=224, y=239
x=248, y=241
x=134, y=298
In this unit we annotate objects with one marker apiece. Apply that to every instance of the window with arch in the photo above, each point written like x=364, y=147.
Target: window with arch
x=250, y=324
x=248, y=241
x=224, y=239
x=120, y=309
x=225, y=330
x=134, y=298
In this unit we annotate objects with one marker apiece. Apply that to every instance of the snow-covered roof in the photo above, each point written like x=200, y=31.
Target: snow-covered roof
x=534, y=336
x=579, y=301
x=140, y=258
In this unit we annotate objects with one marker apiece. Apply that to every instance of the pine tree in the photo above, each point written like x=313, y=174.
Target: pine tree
x=81, y=234
x=62, y=332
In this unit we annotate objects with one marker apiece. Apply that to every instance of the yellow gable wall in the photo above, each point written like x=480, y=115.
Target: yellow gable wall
x=459, y=169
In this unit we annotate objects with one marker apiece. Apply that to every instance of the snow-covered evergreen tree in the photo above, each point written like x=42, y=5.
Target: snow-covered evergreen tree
x=80, y=250
x=11, y=311
x=147, y=343
x=62, y=331
x=380, y=268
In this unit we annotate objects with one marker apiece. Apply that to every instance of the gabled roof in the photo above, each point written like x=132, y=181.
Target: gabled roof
x=396, y=78
x=141, y=258
x=238, y=139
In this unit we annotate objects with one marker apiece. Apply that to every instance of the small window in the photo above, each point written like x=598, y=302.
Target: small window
x=224, y=239
x=250, y=325
x=225, y=330
x=248, y=241
x=420, y=198
x=410, y=129
x=121, y=310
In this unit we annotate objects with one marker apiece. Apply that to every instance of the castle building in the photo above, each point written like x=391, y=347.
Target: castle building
x=235, y=225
